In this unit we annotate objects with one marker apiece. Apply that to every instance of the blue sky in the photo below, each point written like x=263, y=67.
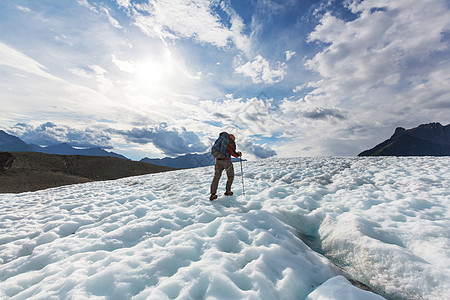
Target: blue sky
x=164, y=78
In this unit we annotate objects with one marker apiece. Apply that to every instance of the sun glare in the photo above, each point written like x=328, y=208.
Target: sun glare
x=150, y=73
x=154, y=72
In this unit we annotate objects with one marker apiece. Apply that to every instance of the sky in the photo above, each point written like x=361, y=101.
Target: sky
x=163, y=78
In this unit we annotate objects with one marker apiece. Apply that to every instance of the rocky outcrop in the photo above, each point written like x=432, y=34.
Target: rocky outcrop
x=31, y=171
x=425, y=140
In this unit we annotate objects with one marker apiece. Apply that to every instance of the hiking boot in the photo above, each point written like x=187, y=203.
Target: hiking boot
x=228, y=193
x=213, y=197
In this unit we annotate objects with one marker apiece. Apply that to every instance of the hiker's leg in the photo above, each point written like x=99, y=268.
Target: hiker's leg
x=230, y=175
x=218, y=169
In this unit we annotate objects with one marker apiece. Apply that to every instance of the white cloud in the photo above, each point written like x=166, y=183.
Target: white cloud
x=386, y=67
x=103, y=11
x=123, y=3
x=435, y=87
x=260, y=70
x=23, y=8
x=392, y=79
x=80, y=72
x=300, y=87
x=377, y=46
x=15, y=59
x=111, y=20
x=49, y=134
x=171, y=141
x=169, y=19
x=251, y=117
x=34, y=93
x=86, y=4
x=249, y=148
x=124, y=65
x=97, y=73
x=289, y=55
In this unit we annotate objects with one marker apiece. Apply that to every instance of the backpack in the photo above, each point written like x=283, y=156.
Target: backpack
x=219, y=149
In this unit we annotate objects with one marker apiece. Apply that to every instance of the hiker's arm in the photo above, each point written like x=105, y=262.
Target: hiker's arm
x=232, y=151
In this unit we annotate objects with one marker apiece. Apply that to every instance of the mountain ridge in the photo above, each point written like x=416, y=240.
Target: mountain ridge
x=432, y=139
x=191, y=160
x=12, y=143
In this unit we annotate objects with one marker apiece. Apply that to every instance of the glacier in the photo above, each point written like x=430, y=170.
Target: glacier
x=306, y=228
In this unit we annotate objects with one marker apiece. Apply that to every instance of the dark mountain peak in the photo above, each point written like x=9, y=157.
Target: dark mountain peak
x=399, y=131
x=432, y=125
x=430, y=139
x=430, y=131
x=10, y=142
x=5, y=136
x=433, y=132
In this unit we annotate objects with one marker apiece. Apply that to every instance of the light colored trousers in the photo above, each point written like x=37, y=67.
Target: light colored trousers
x=218, y=169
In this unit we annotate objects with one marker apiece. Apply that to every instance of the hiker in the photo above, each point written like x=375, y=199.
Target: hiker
x=223, y=149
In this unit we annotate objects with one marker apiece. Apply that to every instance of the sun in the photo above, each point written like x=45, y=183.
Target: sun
x=154, y=72
x=150, y=73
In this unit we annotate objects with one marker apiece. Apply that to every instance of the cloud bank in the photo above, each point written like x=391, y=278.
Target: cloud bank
x=49, y=134
x=259, y=151
x=379, y=57
x=170, y=141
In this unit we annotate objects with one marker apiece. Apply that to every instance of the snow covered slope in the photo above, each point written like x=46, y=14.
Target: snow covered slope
x=384, y=220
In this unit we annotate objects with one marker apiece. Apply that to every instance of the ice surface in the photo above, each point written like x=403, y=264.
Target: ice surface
x=385, y=221
x=339, y=288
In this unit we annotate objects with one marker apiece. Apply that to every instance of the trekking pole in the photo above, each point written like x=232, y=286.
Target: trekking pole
x=242, y=175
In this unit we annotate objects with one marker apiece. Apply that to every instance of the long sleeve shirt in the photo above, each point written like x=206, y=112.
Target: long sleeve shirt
x=231, y=149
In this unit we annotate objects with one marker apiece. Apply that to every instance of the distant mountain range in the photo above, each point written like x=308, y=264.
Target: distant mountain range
x=425, y=140
x=185, y=161
x=12, y=143
x=431, y=139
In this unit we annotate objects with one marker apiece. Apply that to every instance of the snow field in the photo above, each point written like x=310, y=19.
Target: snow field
x=151, y=247
x=385, y=220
